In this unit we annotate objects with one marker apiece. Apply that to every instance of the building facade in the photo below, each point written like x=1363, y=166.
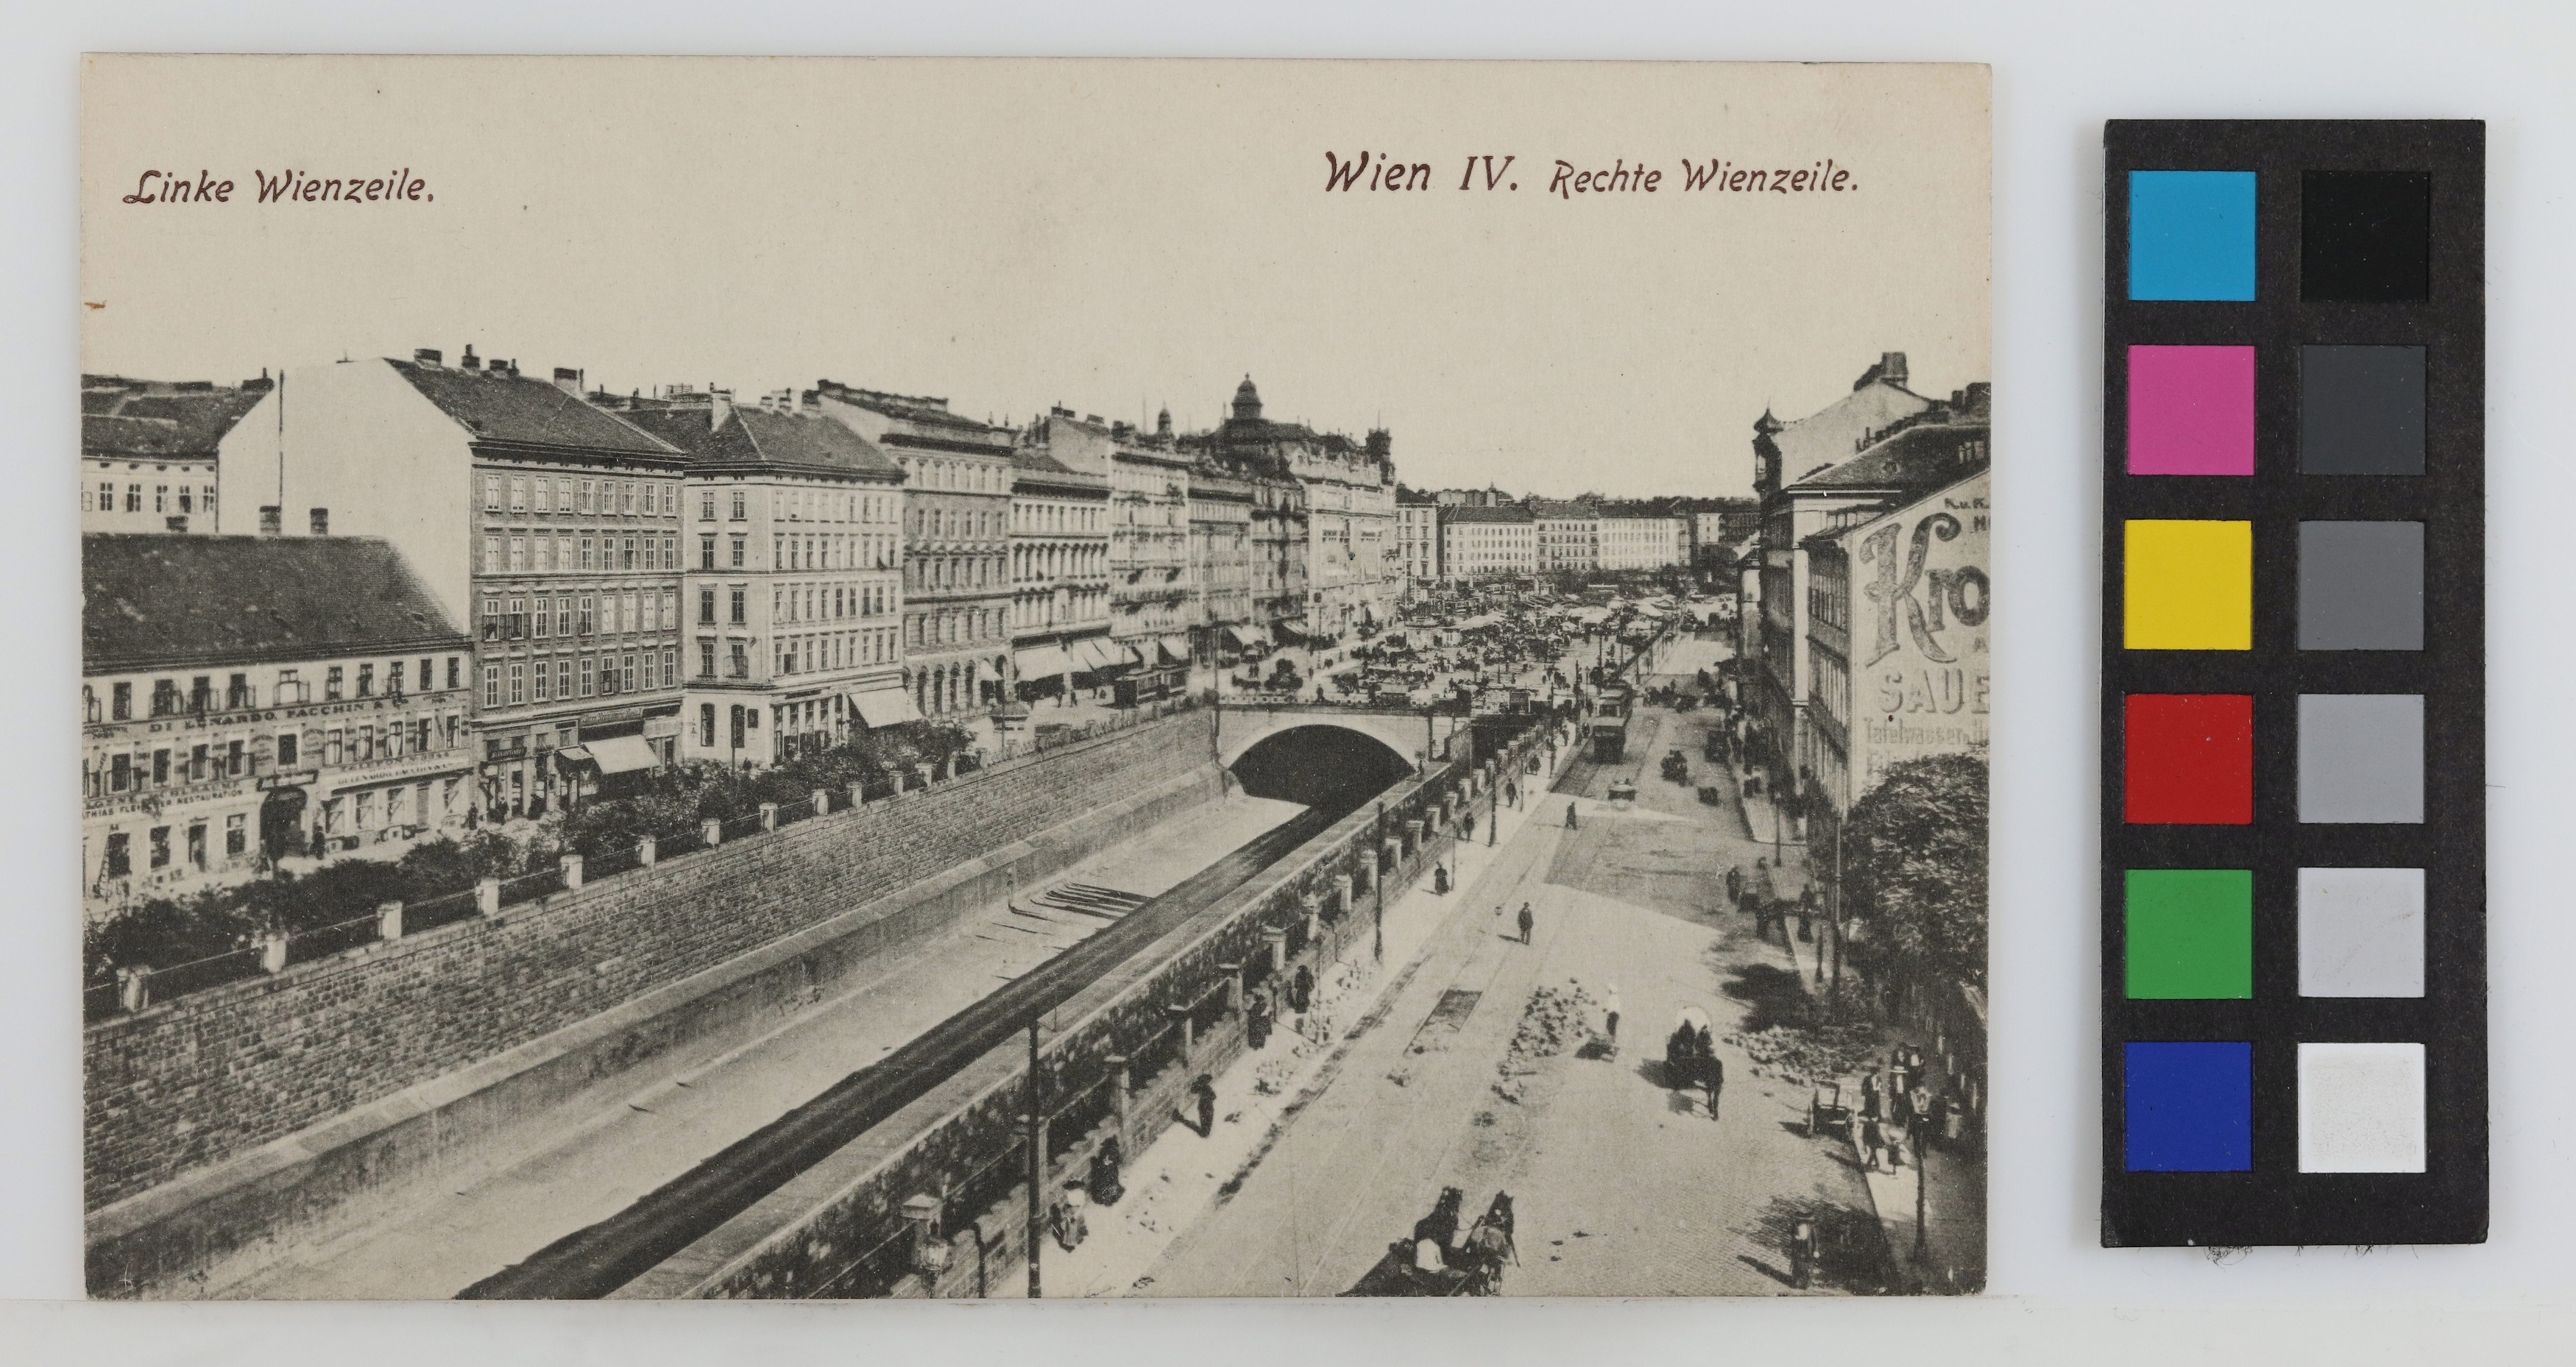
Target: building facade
x=1152, y=598
x=1877, y=448
x=1059, y=574
x=1417, y=537
x=1569, y=536
x=793, y=587
x=1642, y=540
x=957, y=542
x=1221, y=562
x=149, y=451
x=251, y=700
x=1352, y=556
x=548, y=526
x=1479, y=543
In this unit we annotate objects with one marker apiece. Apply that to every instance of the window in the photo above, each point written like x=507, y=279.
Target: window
x=320, y=521
x=518, y=555
x=585, y=498
x=738, y=504
x=544, y=618
x=585, y=676
x=741, y=605
x=134, y=498
x=629, y=560
x=706, y=505
x=393, y=679
x=670, y=668
x=491, y=619
x=331, y=681
x=563, y=678
x=706, y=659
x=669, y=619
x=106, y=498
x=563, y=616
x=492, y=561
x=120, y=773
x=492, y=493
x=160, y=498
x=706, y=552
x=518, y=493
x=366, y=681
x=518, y=683
x=120, y=854
x=741, y=545
x=452, y=665
x=160, y=847
x=236, y=836
x=626, y=496
x=707, y=606
x=588, y=622
x=121, y=702
x=707, y=722
x=545, y=495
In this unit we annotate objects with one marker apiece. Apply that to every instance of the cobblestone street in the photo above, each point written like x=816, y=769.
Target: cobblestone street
x=1623, y=1185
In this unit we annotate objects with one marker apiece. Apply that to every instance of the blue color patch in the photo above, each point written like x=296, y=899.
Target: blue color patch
x=2191, y=234
x=2189, y=1107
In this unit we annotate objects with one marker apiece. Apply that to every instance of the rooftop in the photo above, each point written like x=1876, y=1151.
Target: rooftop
x=151, y=602
x=124, y=419
x=1507, y=513
x=497, y=404
x=764, y=437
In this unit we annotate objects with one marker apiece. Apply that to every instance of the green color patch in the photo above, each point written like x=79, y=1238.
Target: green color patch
x=2191, y=933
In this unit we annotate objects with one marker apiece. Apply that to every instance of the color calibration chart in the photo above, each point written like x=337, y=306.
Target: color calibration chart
x=2294, y=818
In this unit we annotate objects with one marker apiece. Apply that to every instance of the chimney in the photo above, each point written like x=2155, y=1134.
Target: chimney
x=720, y=407
x=569, y=381
x=467, y=361
x=1891, y=367
x=321, y=522
x=427, y=357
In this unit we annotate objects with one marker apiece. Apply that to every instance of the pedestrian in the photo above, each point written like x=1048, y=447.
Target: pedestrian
x=1512, y=794
x=1203, y=1092
x=1873, y=1142
x=1802, y=1254
x=1527, y=922
x=1869, y=1096
x=1256, y=1019
x=1569, y=816
x=1713, y=1068
x=1301, y=989
x=1469, y=826
x=1610, y=1015
x=1735, y=886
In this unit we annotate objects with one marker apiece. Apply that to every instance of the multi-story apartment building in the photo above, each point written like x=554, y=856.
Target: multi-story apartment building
x=1480, y=543
x=549, y=526
x=1872, y=450
x=1417, y=536
x=1221, y=562
x=1720, y=526
x=1642, y=538
x=148, y=451
x=1352, y=553
x=1153, y=601
x=957, y=542
x=250, y=699
x=1059, y=574
x=793, y=585
x=1569, y=535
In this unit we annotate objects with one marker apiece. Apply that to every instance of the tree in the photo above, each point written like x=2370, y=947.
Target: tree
x=1914, y=865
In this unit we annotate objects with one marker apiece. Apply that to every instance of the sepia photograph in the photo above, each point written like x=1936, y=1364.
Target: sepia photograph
x=839, y=679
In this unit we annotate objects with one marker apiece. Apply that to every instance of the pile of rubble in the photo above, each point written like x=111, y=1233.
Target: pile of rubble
x=1800, y=1055
x=1556, y=1020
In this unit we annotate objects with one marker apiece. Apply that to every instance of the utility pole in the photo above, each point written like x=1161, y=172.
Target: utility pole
x=1037, y=1160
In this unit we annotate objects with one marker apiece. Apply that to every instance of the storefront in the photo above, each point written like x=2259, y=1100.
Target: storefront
x=883, y=705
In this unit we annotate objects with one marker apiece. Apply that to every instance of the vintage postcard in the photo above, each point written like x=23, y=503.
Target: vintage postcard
x=821, y=678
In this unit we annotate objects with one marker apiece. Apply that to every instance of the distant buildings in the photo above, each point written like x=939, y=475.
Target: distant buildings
x=1479, y=543
x=1060, y=575
x=1417, y=536
x=1569, y=536
x=149, y=451
x=250, y=699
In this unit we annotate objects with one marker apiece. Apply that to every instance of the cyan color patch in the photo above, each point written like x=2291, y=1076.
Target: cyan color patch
x=2191, y=235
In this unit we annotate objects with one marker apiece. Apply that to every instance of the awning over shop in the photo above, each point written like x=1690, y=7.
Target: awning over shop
x=624, y=754
x=1042, y=662
x=883, y=706
x=1291, y=628
x=1093, y=655
x=1247, y=637
x=1175, y=649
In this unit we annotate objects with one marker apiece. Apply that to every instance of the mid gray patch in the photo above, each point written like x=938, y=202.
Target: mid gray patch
x=2361, y=586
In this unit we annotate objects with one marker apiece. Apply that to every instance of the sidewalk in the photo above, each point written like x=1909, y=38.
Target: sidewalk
x=1180, y=1178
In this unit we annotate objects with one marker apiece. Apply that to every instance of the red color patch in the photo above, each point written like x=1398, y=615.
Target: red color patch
x=2190, y=759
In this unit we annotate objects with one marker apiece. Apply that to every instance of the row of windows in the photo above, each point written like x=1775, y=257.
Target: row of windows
x=247, y=756
x=818, y=602
x=804, y=505
x=973, y=476
x=515, y=683
x=1035, y=518
x=553, y=494
x=511, y=619
x=240, y=694
x=844, y=552
x=1051, y=562
x=953, y=524
x=1061, y=608
x=809, y=654
x=166, y=498
x=954, y=626
x=933, y=573
x=561, y=552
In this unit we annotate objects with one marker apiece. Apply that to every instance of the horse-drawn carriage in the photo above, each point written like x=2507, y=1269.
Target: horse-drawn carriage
x=1676, y=768
x=1440, y=1259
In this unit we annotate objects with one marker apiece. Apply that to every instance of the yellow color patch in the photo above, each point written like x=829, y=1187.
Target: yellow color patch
x=2190, y=586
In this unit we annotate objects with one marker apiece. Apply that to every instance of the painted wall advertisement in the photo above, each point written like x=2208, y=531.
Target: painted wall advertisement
x=1922, y=597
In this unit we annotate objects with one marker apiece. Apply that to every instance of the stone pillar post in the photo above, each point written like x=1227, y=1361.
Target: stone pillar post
x=822, y=803
x=1412, y=836
x=646, y=850
x=571, y=871
x=769, y=816
x=711, y=831
x=487, y=897
x=1181, y=1016
x=1274, y=940
x=929, y=1251
x=1122, y=1097
x=389, y=921
x=134, y=988
x=858, y=793
x=272, y=951
x=1364, y=873
x=1390, y=857
x=1233, y=987
x=1344, y=887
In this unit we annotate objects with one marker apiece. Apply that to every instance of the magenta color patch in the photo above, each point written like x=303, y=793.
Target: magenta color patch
x=2191, y=410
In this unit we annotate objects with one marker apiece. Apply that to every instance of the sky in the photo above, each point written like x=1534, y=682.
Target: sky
x=1112, y=236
